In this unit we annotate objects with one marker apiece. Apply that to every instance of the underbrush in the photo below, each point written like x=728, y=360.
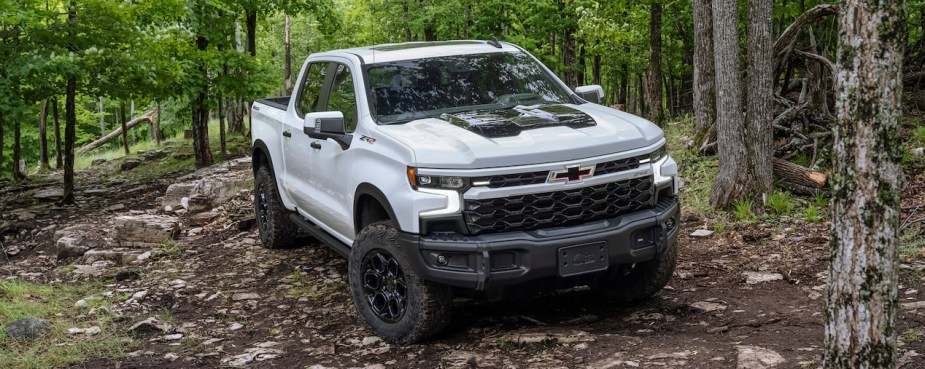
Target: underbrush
x=56, y=304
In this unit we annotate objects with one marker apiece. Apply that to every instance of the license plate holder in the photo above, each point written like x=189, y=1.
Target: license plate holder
x=581, y=259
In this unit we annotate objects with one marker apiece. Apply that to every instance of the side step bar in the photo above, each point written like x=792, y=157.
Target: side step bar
x=321, y=235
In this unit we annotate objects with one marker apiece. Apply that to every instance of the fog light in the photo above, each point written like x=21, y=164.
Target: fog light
x=669, y=223
x=441, y=259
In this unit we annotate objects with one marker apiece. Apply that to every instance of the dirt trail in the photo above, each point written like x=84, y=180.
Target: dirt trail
x=237, y=304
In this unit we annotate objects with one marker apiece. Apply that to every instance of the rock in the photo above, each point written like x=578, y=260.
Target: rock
x=913, y=305
x=115, y=208
x=918, y=151
x=708, y=307
x=129, y=164
x=207, y=192
x=753, y=357
x=245, y=296
x=149, y=325
x=97, y=162
x=118, y=256
x=87, y=331
x=761, y=277
x=540, y=337
x=202, y=219
x=671, y=355
x=262, y=352
x=12, y=250
x=369, y=340
x=145, y=230
x=173, y=337
x=246, y=224
x=26, y=328
x=80, y=236
x=153, y=154
x=182, y=156
x=69, y=247
x=49, y=194
x=702, y=233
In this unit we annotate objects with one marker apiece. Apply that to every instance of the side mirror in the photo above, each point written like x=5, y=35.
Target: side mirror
x=324, y=122
x=591, y=93
x=327, y=124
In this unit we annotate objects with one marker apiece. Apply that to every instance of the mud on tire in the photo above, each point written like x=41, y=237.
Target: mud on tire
x=631, y=284
x=393, y=300
x=276, y=230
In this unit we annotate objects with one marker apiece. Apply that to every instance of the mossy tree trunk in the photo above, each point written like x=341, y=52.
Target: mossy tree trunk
x=704, y=69
x=860, y=314
x=654, y=74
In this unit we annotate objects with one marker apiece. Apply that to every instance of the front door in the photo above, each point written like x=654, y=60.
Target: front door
x=331, y=168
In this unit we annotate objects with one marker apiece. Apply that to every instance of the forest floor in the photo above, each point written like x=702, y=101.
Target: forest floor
x=749, y=296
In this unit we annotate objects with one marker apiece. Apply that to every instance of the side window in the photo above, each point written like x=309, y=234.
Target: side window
x=343, y=97
x=309, y=98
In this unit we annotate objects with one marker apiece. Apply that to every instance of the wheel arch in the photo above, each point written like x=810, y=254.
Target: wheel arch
x=260, y=155
x=371, y=205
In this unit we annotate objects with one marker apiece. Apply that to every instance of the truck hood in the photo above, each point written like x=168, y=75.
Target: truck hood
x=522, y=135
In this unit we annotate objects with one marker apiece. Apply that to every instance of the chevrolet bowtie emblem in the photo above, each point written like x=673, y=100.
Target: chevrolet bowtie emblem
x=571, y=174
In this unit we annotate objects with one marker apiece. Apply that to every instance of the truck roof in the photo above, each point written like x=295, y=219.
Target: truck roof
x=416, y=50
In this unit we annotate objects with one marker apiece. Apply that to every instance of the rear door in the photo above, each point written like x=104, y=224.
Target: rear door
x=297, y=151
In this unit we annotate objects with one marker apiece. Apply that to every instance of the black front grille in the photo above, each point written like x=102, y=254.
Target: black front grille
x=516, y=179
x=559, y=208
x=531, y=178
x=616, y=166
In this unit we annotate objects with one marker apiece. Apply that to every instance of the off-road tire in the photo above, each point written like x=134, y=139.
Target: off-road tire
x=635, y=283
x=427, y=308
x=275, y=228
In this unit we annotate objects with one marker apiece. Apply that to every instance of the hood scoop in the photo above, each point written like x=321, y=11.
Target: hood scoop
x=510, y=122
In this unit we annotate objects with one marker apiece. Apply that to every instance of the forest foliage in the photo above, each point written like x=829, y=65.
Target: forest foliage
x=169, y=52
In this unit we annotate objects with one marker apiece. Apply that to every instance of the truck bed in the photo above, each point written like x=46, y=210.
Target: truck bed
x=281, y=103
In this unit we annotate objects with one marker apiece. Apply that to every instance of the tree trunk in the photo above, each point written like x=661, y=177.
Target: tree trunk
x=18, y=173
x=157, y=126
x=102, y=118
x=404, y=8
x=70, y=114
x=653, y=85
x=568, y=58
x=221, y=126
x=149, y=117
x=581, y=62
x=54, y=112
x=288, y=70
x=1, y=142
x=758, y=128
x=732, y=182
x=704, y=69
x=122, y=120
x=641, y=96
x=625, y=83
x=200, y=116
x=250, y=22
x=43, y=136
x=860, y=315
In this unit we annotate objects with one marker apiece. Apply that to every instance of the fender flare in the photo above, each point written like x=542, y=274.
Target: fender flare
x=367, y=189
x=261, y=148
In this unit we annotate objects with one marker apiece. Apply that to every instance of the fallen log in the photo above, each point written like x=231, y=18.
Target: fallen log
x=797, y=178
x=146, y=117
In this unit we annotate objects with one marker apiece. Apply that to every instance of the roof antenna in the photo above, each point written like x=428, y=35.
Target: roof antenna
x=494, y=42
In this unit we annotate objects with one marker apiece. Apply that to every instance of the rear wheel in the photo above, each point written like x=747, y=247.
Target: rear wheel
x=637, y=282
x=393, y=300
x=276, y=230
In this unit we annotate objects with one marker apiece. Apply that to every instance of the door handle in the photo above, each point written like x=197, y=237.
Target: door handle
x=287, y=134
x=315, y=145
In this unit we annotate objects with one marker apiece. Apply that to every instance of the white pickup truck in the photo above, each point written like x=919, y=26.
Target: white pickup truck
x=462, y=168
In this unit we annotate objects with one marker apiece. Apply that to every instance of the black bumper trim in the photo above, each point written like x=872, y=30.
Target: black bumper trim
x=635, y=237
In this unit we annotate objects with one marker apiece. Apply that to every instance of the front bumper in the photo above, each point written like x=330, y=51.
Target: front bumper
x=493, y=262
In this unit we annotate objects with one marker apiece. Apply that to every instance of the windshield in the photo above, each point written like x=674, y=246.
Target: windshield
x=405, y=90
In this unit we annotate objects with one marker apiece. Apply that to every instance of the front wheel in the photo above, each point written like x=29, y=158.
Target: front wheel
x=637, y=282
x=393, y=300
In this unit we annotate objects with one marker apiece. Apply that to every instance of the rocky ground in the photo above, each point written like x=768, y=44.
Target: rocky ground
x=199, y=291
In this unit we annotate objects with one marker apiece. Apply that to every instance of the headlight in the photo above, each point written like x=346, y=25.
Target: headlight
x=659, y=154
x=429, y=181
